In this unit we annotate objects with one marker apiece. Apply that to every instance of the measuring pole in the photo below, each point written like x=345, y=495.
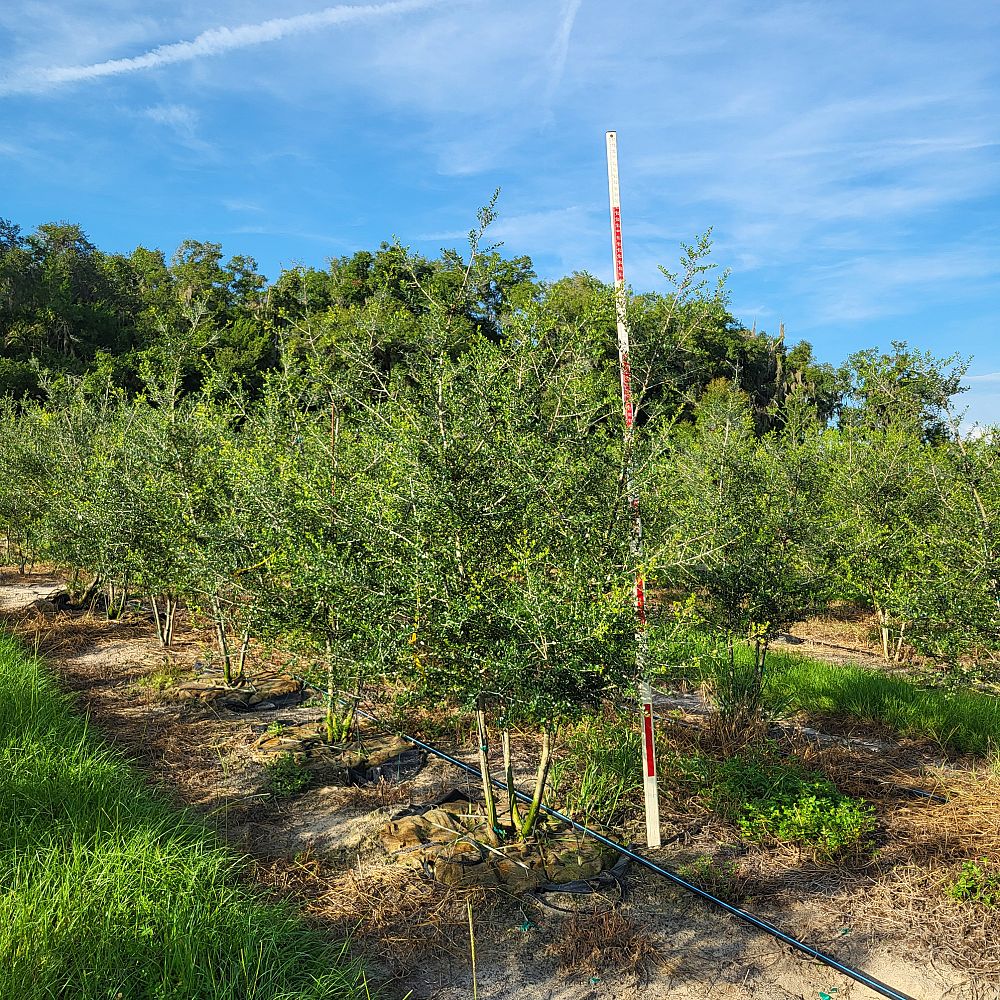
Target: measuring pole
x=642, y=639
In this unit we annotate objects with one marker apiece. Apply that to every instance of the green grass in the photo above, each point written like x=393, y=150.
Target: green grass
x=107, y=891
x=596, y=779
x=962, y=721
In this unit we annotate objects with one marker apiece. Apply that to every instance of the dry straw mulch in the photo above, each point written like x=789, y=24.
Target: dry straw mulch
x=399, y=915
x=61, y=634
x=911, y=896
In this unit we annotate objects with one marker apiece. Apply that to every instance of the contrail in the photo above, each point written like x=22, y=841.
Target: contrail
x=560, y=48
x=213, y=42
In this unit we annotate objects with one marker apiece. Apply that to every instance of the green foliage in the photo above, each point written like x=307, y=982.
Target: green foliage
x=751, y=535
x=906, y=388
x=977, y=882
x=773, y=801
x=411, y=469
x=110, y=891
x=286, y=775
x=596, y=778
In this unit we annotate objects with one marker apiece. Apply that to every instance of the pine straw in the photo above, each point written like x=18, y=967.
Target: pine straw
x=398, y=915
x=63, y=634
x=966, y=826
x=604, y=942
x=911, y=903
x=927, y=843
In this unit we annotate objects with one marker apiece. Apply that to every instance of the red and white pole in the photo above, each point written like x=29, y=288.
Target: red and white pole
x=642, y=639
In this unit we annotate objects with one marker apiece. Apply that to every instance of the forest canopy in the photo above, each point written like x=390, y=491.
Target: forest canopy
x=69, y=308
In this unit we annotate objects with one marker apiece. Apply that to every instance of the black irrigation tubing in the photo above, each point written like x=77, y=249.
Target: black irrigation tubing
x=856, y=974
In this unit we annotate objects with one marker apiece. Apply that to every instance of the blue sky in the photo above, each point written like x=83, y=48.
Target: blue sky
x=845, y=153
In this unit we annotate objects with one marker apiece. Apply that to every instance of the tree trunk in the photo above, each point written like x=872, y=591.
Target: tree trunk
x=156, y=620
x=220, y=635
x=244, y=648
x=883, y=620
x=508, y=777
x=168, y=624
x=90, y=594
x=484, y=770
x=541, y=777
x=123, y=599
x=898, y=655
x=332, y=729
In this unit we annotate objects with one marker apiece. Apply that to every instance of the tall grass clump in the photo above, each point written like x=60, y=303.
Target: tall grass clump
x=960, y=721
x=597, y=780
x=107, y=891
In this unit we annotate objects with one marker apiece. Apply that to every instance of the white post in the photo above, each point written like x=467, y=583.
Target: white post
x=642, y=639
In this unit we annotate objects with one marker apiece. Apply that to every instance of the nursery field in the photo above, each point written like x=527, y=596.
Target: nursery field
x=294, y=525
x=820, y=831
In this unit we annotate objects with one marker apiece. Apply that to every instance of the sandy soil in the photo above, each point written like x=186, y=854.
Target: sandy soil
x=322, y=849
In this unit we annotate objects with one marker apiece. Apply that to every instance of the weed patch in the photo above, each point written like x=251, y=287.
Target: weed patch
x=977, y=882
x=721, y=878
x=286, y=775
x=773, y=801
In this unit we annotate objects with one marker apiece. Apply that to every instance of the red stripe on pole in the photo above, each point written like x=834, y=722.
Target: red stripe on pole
x=616, y=227
x=647, y=725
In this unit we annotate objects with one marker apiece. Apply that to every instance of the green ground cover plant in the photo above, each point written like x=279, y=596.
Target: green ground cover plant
x=286, y=776
x=773, y=800
x=107, y=891
x=978, y=882
x=770, y=798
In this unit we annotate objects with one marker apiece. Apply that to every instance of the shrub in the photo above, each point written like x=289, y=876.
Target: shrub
x=286, y=776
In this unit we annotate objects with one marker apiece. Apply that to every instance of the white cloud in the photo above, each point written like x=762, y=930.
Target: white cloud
x=175, y=116
x=560, y=48
x=213, y=42
x=239, y=205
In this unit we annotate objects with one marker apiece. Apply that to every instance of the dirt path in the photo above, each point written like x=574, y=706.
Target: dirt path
x=322, y=848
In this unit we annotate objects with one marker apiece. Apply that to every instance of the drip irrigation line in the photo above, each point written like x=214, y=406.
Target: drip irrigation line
x=763, y=925
x=920, y=792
